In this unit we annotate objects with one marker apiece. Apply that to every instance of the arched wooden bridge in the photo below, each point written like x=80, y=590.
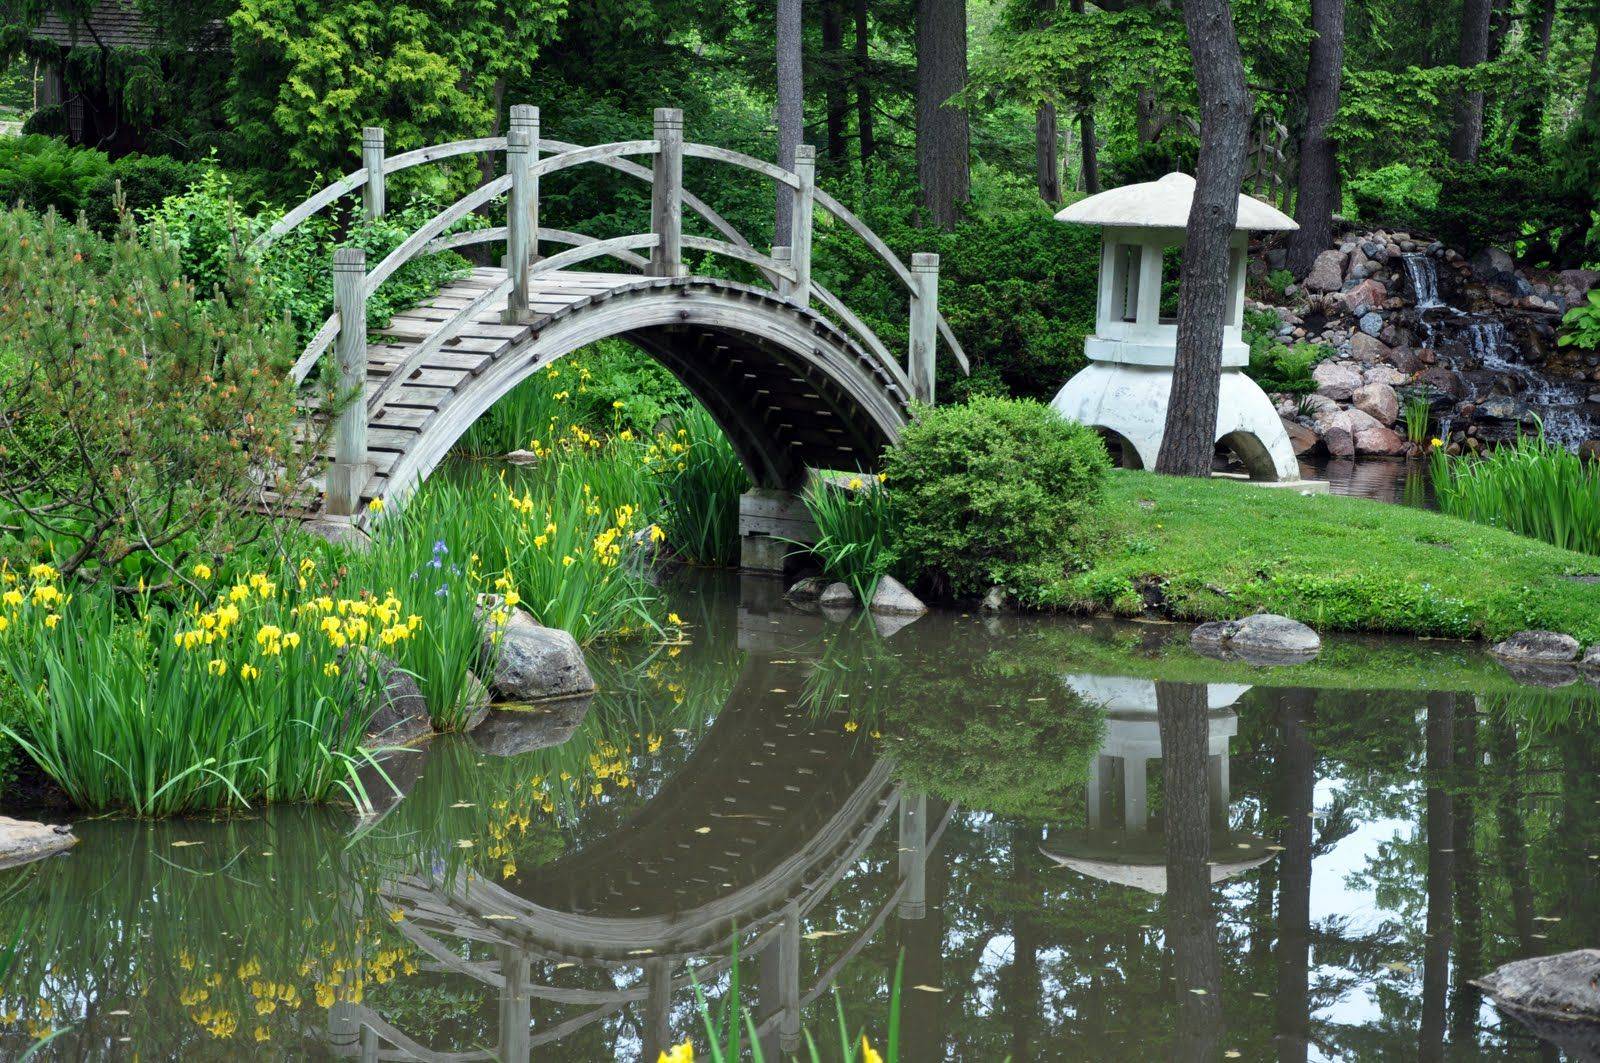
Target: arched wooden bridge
x=794, y=377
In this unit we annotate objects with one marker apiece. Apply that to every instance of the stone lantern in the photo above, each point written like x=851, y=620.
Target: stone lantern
x=1124, y=389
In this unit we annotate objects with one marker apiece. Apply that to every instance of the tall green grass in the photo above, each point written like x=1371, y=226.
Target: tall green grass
x=701, y=479
x=855, y=530
x=1532, y=487
x=263, y=696
x=1418, y=412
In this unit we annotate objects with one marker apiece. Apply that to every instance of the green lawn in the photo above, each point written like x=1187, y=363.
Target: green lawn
x=1217, y=549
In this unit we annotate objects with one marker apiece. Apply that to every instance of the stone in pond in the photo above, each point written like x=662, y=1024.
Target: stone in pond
x=531, y=662
x=807, y=590
x=1538, y=647
x=892, y=598
x=1557, y=997
x=22, y=840
x=472, y=701
x=995, y=600
x=837, y=596
x=510, y=731
x=1591, y=660
x=1264, y=638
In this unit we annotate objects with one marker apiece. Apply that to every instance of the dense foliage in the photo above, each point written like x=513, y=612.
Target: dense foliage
x=994, y=491
x=1532, y=486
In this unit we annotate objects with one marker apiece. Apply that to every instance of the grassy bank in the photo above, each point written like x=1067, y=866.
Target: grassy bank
x=1208, y=550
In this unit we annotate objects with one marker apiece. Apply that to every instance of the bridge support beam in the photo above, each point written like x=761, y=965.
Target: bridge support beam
x=519, y=209
x=666, y=202
x=805, y=169
x=771, y=521
x=350, y=470
x=372, y=193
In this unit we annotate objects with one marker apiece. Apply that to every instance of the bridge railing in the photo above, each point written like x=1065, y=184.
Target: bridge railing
x=787, y=268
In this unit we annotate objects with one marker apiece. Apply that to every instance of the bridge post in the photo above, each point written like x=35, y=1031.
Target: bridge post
x=519, y=163
x=783, y=255
x=666, y=203
x=349, y=471
x=913, y=854
x=372, y=193
x=805, y=168
x=924, y=324
x=526, y=116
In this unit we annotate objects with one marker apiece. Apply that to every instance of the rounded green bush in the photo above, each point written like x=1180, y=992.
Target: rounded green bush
x=993, y=491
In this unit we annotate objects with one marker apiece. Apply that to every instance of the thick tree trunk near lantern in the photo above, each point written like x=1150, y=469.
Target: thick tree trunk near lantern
x=1319, y=165
x=1189, y=441
x=943, y=137
x=791, y=105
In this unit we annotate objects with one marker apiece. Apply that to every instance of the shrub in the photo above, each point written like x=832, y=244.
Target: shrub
x=1580, y=326
x=42, y=173
x=1398, y=194
x=264, y=694
x=1274, y=365
x=141, y=416
x=994, y=491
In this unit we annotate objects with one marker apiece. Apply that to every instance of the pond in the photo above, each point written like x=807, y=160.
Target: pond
x=1079, y=841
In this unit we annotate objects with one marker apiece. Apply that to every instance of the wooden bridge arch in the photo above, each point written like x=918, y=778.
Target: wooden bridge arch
x=795, y=378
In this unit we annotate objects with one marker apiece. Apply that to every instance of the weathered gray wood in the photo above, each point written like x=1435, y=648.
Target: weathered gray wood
x=739, y=158
x=766, y=263
x=805, y=169
x=598, y=153
x=350, y=469
x=436, y=152
x=305, y=210
x=526, y=117
x=782, y=258
x=319, y=343
x=666, y=202
x=924, y=324
x=448, y=331
x=372, y=161
x=597, y=249
x=519, y=213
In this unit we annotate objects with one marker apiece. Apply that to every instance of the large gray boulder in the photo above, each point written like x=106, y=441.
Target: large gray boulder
x=891, y=598
x=510, y=731
x=472, y=701
x=1378, y=401
x=1336, y=380
x=1327, y=272
x=1558, y=997
x=1538, y=647
x=531, y=662
x=22, y=840
x=1264, y=638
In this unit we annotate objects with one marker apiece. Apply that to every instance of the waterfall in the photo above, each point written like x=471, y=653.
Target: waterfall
x=1424, y=280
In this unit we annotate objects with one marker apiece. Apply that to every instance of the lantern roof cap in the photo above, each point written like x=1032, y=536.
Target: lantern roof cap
x=1165, y=204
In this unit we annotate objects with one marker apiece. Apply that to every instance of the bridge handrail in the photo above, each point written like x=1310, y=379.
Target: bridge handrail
x=788, y=269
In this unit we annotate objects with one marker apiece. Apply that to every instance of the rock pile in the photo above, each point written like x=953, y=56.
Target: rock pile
x=1360, y=302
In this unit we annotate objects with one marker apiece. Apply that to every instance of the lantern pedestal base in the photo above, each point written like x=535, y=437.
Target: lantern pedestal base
x=1128, y=404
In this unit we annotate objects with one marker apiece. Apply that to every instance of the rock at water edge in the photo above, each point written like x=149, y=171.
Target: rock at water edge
x=807, y=590
x=531, y=662
x=23, y=840
x=837, y=596
x=402, y=713
x=510, y=731
x=1558, y=997
x=1541, y=647
x=893, y=599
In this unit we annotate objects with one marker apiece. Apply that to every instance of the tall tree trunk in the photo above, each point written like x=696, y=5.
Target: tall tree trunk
x=1046, y=150
x=791, y=104
x=1091, y=150
x=833, y=66
x=1467, y=135
x=1191, y=921
x=1297, y=772
x=1319, y=164
x=943, y=138
x=1203, y=283
x=1467, y=778
x=864, y=143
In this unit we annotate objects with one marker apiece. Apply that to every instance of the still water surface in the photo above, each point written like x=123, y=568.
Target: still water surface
x=1083, y=842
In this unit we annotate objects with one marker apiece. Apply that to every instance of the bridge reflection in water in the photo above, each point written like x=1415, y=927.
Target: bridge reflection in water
x=752, y=834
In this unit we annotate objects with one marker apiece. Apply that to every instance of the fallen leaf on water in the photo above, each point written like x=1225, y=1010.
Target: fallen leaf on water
x=702, y=830
x=1399, y=968
x=119, y=1011
x=815, y=934
x=1276, y=848
x=564, y=966
x=1232, y=1053
x=1197, y=991
x=777, y=690
x=180, y=845
x=1036, y=699
x=499, y=915
x=1263, y=996
x=640, y=952
x=1547, y=919
x=267, y=852
x=928, y=988
x=463, y=804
